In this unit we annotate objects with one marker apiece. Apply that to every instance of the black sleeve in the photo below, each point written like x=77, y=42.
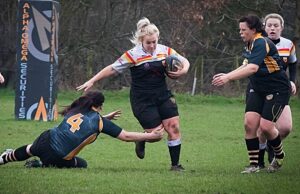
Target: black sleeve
x=258, y=52
x=110, y=128
x=292, y=71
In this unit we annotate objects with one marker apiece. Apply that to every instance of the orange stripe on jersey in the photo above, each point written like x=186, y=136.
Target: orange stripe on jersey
x=161, y=55
x=169, y=51
x=129, y=58
x=283, y=49
x=281, y=52
x=271, y=64
x=267, y=46
x=87, y=141
x=144, y=58
x=100, y=124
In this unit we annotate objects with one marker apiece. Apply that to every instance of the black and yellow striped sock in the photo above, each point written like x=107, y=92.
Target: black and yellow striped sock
x=277, y=147
x=253, y=150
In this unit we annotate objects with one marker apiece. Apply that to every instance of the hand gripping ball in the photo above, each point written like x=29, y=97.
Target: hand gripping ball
x=172, y=63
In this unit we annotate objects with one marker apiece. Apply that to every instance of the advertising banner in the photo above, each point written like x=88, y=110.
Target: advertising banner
x=37, y=60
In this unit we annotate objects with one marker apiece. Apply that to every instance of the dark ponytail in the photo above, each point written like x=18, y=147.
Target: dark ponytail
x=84, y=103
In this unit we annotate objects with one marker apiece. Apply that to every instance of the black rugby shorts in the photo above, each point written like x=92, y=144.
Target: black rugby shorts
x=269, y=106
x=151, y=110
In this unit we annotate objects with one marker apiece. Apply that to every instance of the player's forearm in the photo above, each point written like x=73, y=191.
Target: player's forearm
x=240, y=67
x=242, y=72
x=104, y=73
x=136, y=136
x=186, y=64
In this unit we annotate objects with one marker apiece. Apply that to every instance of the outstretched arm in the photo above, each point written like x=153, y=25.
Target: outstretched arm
x=104, y=73
x=113, y=115
x=222, y=78
x=155, y=135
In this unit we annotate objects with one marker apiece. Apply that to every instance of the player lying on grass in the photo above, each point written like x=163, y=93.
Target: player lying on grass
x=82, y=124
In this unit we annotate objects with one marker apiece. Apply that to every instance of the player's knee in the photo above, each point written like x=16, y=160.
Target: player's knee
x=267, y=127
x=172, y=127
x=284, y=132
x=251, y=123
x=173, y=132
x=285, y=128
x=250, y=127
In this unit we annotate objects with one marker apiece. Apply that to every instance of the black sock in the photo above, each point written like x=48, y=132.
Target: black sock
x=21, y=153
x=261, y=157
x=277, y=147
x=253, y=150
x=174, y=154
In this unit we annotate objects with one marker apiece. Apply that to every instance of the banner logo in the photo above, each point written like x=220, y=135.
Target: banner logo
x=37, y=60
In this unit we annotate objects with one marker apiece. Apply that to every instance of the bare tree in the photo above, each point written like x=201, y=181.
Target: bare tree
x=94, y=33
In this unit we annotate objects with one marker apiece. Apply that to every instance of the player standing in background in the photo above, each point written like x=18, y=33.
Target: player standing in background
x=81, y=126
x=269, y=92
x=274, y=25
x=152, y=102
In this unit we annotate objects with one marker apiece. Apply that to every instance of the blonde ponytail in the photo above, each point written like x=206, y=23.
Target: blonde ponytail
x=144, y=27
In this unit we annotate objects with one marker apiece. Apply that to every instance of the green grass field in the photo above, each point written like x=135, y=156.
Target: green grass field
x=213, y=153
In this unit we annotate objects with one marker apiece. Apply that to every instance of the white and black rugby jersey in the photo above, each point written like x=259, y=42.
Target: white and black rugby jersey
x=147, y=70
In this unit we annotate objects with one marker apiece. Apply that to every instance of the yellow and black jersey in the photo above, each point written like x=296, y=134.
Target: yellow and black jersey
x=270, y=76
x=79, y=130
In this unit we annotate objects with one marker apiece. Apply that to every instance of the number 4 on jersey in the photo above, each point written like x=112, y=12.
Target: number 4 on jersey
x=75, y=122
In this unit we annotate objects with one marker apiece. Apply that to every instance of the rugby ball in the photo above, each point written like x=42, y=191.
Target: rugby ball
x=172, y=63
